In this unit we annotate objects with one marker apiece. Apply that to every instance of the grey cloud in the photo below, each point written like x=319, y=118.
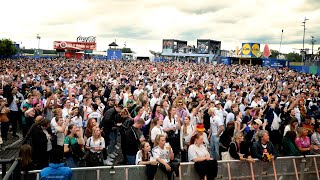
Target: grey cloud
x=309, y=5
x=127, y=32
x=201, y=10
x=191, y=35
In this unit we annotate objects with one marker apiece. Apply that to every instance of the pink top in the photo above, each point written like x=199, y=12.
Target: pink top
x=303, y=142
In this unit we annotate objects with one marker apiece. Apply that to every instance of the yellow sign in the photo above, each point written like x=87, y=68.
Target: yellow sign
x=246, y=49
x=255, y=49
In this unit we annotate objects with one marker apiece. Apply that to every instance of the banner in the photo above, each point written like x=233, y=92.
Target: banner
x=114, y=54
x=81, y=46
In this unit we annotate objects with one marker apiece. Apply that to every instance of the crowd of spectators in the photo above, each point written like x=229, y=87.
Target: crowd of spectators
x=157, y=113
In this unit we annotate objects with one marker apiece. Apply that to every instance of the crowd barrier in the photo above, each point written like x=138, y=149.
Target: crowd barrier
x=283, y=168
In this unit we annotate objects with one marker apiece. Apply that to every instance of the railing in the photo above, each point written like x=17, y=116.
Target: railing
x=4, y=163
x=283, y=168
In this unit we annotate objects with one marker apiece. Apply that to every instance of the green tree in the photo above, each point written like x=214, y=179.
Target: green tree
x=274, y=53
x=7, y=48
x=293, y=57
x=126, y=50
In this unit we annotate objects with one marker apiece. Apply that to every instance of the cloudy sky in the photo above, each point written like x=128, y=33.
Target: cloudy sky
x=142, y=24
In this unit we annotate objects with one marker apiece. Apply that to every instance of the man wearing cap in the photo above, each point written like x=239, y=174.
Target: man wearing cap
x=216, y=129
x=220, y=112
x=254, y=129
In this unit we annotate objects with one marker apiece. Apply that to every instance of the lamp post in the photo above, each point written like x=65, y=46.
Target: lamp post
x=304, y=32
x=280, y=41
x=38, y=37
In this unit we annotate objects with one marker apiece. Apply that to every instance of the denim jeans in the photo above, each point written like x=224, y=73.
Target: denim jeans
x=214, y=145
x=113, y=141
x=71, y=163
x=131, y=160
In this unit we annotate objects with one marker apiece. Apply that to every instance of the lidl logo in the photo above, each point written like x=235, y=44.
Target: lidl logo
x=246, y=49
x=255, y=49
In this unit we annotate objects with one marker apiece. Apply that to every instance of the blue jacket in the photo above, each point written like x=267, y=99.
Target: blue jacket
x=56, y=171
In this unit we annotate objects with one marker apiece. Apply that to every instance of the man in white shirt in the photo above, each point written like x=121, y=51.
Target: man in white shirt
x=67, y=109
x=216, y=129
x=95, y=114
x=138, y=91
x=230, y=116
x=220, y=112
x=155, y=100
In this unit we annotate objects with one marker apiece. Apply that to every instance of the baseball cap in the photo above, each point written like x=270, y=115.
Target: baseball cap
x=258, y=121
x=217, y=102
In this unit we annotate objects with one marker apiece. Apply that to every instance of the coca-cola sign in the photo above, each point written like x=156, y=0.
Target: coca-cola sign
x=86, y=39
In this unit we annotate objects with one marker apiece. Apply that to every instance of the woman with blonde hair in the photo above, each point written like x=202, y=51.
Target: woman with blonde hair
x=303, y=142
x=238, y=149
x=163, y=153
x=95, y=144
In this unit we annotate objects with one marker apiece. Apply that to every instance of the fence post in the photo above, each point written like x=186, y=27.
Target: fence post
x=98, y=174
x=4, y=169
x=252, y=172
x=316, y=167
x=180, y=173
x=303, y=162
x=229, y=170
x=295, y=168
x=274, y=170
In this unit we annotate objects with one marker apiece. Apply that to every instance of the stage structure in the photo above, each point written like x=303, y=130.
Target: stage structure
x=206, y=50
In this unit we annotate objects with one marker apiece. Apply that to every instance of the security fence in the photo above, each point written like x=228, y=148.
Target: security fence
x=283, y=168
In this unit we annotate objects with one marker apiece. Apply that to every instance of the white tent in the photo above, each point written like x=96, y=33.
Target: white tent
x=145, y=54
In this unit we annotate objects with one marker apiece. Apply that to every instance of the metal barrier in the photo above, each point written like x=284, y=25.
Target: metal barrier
x=4, y=163
x=283, y=168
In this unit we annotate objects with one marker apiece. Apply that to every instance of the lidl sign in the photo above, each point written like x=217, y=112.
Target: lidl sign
x=251, y=50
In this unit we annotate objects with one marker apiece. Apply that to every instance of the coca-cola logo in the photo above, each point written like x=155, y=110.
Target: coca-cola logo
x=86, y=39
x=63, y=44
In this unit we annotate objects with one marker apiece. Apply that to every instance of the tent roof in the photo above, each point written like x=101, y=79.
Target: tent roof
x=113, y=44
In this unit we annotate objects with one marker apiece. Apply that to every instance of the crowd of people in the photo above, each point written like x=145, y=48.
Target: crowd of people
x=157, y=114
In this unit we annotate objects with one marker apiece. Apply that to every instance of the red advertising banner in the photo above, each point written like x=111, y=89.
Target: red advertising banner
x=74, y=45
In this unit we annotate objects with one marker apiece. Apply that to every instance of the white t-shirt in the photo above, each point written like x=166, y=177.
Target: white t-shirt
x=65, y=113
x=154, y=101
x=195, y=151
x=155, y=131
x=186, y=137
x=163, y=154
x=95, y=115
x=87, y=110
x=215, y=123
x=228, y=105
x=137, y=92
x=77, y=120
x=139, y=157
x=168, y=124
x=230, y=117
x=97, y=143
